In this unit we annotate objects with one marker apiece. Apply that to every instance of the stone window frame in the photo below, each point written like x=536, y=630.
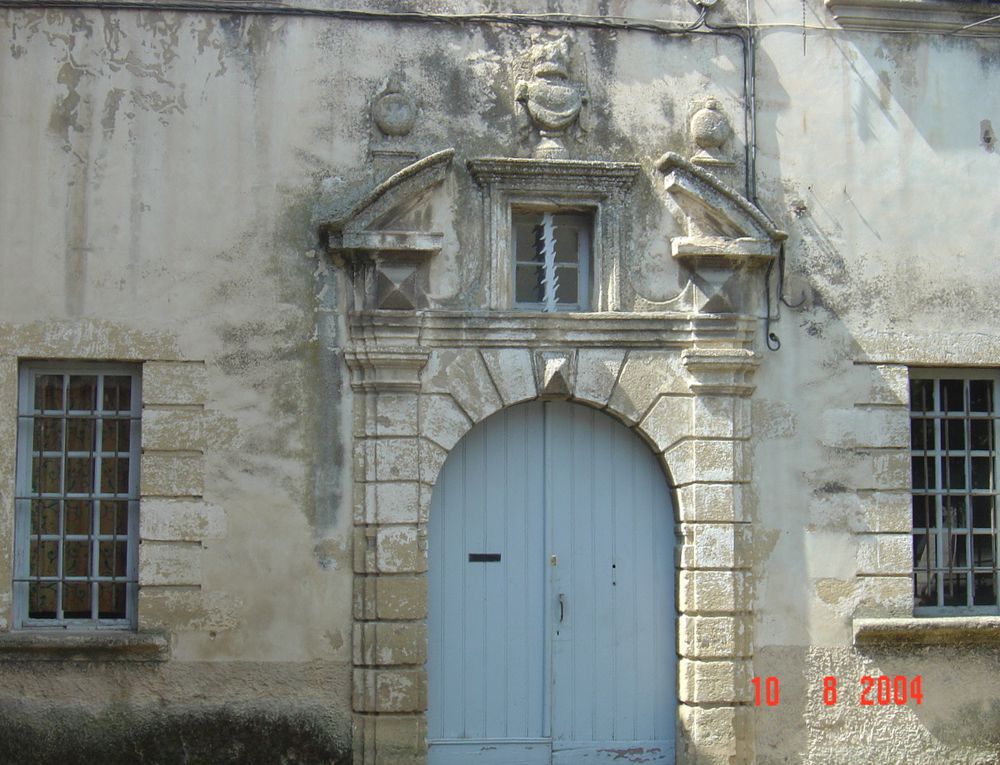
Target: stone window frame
x=885, y=536
x=29, y=373
x=420, y=383
x=572, y=185
x=174, y=516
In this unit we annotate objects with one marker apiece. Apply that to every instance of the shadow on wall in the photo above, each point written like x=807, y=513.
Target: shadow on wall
x=32, y=733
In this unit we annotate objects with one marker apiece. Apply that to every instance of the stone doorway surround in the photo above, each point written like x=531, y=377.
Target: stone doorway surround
x=421, y=382
x=680, y=376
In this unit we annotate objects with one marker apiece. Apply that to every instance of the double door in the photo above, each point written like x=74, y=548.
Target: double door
x=551, y=618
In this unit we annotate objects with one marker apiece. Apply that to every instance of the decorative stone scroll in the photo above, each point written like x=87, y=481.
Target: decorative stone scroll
x=727, y=239
x=388, y=264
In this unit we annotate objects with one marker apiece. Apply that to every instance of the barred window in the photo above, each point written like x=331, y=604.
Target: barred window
x=552, y=260
x=77, y=496
x=953, y=425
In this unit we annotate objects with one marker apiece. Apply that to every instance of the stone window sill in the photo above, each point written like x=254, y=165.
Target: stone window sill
x=51, y=645
x=944, y=16
x=944, y=630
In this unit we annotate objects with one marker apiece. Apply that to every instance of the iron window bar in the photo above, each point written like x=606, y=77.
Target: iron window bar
x=953, y=453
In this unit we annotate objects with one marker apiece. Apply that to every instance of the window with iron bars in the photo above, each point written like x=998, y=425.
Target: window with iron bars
x=77, y=496
x=552, y=254
x=953, y=427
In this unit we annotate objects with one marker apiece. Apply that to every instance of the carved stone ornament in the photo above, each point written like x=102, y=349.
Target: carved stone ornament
x=393, y=111
x=710, y=130
x=551, y=99
x=727, y=239
x=388, y=264
x=556, y=374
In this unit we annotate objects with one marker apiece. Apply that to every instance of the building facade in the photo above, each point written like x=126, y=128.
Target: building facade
x=499, y=382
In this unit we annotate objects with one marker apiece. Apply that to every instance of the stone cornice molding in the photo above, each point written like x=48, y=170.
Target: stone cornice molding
x=523, y=329
x=563, y=174
x=942, y=16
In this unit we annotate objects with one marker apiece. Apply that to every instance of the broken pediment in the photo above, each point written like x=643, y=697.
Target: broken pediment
x=726, y=239
x=385, y=239
x=718, y=220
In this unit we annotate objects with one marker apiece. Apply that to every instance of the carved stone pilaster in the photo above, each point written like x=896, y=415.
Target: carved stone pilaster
x=721, y=371
x=385, y=369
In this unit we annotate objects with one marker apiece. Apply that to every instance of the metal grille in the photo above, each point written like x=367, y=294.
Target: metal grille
x=953, y=421
x=77, y=496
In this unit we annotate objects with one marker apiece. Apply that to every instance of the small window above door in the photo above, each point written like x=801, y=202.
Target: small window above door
x=584, y=206
x=552, y=260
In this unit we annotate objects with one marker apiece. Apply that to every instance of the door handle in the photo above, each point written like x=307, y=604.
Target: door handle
x=562, y=607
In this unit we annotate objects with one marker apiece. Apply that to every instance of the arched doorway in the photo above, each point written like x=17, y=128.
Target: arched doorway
x=551, y=621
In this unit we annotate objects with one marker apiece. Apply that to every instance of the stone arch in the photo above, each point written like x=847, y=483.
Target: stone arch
x=461, y=388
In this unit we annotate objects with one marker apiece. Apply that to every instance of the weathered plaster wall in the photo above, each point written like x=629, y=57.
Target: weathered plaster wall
x=165, y=174
x=871, y=155
x=161, y=213
x=163, y=178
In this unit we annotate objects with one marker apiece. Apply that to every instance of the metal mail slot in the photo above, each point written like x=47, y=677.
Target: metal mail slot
x=484, y=557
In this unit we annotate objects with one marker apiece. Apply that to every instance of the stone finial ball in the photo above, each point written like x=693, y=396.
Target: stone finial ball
x=710, y=127
x=394, y=113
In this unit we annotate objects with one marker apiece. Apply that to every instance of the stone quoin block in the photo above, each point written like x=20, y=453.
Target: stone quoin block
x=401, y=549
x=180, y=520
x=386, y=643
x=707, y=637
x=173, y=429
x=174, y=382
x=177, y=563
x=709, y=592
x=167, y=474
x=721, y=681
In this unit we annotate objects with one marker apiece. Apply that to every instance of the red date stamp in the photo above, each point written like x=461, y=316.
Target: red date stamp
x=883, y=690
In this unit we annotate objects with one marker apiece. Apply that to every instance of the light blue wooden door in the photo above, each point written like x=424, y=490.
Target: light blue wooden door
x=551, y=618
